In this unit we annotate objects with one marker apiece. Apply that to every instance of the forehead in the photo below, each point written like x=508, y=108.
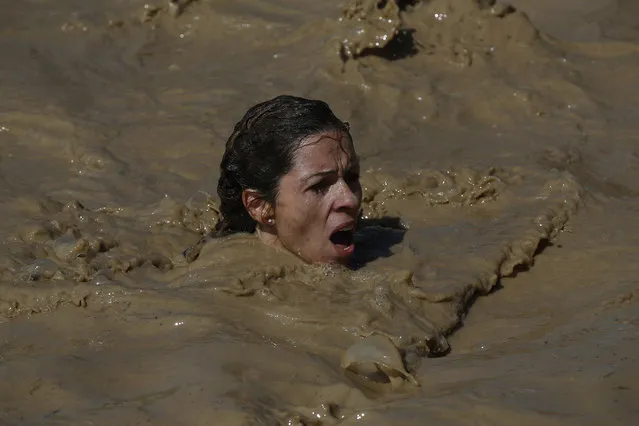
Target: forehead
x=324, y=150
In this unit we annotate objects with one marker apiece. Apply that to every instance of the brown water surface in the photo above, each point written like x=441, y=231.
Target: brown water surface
x=496, y=282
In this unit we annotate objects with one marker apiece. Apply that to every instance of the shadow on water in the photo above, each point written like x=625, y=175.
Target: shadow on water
x=402, y=46
x=375, y=238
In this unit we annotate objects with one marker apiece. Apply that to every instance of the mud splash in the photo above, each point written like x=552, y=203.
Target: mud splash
x=491, y=142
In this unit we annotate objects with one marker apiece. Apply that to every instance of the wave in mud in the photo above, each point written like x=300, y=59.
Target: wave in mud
x=467, y=228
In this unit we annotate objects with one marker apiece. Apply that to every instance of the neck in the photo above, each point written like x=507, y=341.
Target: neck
x=268, y=236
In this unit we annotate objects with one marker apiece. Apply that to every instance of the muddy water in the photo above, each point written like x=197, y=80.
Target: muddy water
x=500, y=148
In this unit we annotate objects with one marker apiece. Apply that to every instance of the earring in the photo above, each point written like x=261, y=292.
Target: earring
x=270, y=221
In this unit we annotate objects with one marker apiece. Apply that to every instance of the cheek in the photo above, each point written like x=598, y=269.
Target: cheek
x=296, y=215
x=307, y=228
x=312, y=212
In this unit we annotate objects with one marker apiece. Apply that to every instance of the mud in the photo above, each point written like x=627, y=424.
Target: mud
x=495, y=280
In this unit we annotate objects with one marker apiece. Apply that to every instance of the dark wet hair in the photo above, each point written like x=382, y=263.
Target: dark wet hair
x=260, y=151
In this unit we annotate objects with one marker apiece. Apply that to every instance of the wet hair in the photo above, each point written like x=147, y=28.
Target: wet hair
x=261, y=150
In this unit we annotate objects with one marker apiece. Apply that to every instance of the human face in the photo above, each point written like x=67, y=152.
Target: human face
x=318, y=200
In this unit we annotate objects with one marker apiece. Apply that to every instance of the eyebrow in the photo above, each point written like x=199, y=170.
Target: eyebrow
x=328, y=172
x=322, y=173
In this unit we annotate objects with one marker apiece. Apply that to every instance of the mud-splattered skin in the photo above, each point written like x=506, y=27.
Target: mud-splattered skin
x=319, y=197
x=498, y=150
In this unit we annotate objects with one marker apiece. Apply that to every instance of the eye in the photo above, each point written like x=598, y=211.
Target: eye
x=321, y=186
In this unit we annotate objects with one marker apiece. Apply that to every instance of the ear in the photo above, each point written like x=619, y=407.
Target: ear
x=260, y=210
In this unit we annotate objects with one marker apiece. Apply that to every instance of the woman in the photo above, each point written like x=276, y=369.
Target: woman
x=290, y=174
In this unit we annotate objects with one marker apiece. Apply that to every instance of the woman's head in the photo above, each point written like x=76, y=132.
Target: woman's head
x=290, y=172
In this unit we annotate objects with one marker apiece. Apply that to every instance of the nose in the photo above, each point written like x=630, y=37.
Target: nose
x=348, y=198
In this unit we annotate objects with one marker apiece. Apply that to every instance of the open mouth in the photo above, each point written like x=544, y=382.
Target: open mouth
x=344, y=239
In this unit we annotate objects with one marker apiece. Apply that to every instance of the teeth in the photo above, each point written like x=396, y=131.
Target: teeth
x=347, y=228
